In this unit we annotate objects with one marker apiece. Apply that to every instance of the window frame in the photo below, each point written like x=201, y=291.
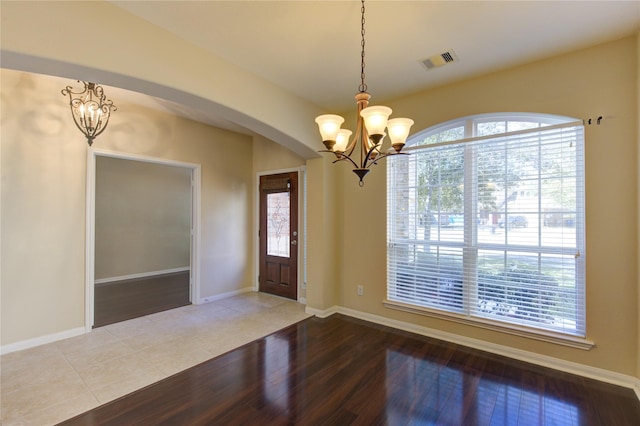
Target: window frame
x=470, y=125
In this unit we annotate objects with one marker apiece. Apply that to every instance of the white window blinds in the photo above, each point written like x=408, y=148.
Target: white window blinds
x=492, y=228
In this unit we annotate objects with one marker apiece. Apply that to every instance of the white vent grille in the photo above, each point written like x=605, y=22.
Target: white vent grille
x=441, y=59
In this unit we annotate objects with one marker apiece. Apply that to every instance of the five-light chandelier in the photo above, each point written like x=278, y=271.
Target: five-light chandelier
x=370, y=126
x=90, y=109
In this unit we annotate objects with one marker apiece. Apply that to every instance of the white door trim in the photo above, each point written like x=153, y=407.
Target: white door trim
x=92, y=153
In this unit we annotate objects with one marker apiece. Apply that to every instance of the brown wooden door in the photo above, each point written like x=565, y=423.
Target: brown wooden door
x=279, y=234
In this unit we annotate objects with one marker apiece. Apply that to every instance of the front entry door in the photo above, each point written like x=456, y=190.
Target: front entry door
x=279, y=235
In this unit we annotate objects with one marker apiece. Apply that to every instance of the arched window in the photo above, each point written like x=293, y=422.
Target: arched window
x=486, y=224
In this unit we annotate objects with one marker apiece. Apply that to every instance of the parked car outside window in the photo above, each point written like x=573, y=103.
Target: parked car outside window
x=515, y=222
x=559, y=219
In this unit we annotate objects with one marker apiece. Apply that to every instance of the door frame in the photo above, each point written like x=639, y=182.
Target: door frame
x=302, y=237
x=90, y=219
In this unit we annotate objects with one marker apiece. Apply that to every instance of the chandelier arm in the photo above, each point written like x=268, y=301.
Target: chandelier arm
x=378, y=158
x=352, y=144
x=99, y=92
x=381, y=156
x=364, y=148
x=81, y=126
x=345, y=158
x=107, y=108
x=340, y=157
x=369, y=161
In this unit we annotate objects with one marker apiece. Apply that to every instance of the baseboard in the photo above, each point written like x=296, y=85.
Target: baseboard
x=50, y=338
x=323, y=313
x=141, y=275
x=530, y=357
x=221, y=296
x=42, y=340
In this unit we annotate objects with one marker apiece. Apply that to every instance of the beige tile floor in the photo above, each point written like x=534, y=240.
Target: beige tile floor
x=54, y=382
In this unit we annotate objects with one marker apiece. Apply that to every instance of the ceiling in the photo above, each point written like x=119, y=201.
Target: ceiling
x=312, y=48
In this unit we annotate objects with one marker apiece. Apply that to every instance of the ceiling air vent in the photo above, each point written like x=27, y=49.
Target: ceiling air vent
x=436, y=61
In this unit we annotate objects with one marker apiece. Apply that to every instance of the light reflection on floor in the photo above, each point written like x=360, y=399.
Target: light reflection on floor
x=430, y=388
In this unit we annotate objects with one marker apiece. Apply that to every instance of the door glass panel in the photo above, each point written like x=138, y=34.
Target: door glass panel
x=278, y=224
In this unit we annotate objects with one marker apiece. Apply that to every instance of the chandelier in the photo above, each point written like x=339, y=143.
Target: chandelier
x=90, y=109
x=365, y=149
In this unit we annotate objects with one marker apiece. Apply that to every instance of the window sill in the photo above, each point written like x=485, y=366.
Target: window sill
x=544, y=336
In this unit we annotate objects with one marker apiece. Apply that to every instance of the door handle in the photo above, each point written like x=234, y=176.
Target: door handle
x=294, y=242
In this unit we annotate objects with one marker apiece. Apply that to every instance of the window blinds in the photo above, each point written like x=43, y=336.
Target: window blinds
x=492, y=228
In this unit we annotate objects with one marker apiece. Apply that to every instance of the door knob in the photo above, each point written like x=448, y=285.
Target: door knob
x=294, y=242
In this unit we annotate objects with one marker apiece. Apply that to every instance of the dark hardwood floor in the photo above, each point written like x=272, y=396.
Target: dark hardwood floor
x=342, y=371
x=133, y=298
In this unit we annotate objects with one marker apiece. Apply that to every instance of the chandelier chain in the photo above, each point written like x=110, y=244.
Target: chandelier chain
x=363, y=86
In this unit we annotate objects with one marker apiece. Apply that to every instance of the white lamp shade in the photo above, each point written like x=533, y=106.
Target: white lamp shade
x=399, y=130
x=375, y=119
x=329, y=126
x=342, y=140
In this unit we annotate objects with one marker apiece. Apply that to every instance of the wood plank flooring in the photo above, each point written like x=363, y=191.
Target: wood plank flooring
x=134, y=298
x=342, y=371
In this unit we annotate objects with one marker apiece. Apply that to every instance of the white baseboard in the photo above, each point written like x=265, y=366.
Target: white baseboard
x=50, y=338
x=322, y=313
x=530, y=357
x=221, y=296
x=42, y=340
x=141, y=275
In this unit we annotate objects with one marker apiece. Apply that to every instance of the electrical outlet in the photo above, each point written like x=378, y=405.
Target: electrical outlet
x=360, y=290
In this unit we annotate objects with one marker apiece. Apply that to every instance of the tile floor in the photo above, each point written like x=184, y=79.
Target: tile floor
x=53, y=382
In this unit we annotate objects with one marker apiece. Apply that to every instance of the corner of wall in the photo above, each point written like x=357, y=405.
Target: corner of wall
x=638, y=208
x=322, y=247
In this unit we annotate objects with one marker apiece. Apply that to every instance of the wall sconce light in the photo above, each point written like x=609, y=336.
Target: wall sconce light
x=90, y=109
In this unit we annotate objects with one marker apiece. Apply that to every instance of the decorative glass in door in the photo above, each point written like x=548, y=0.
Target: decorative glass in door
x=278, y=224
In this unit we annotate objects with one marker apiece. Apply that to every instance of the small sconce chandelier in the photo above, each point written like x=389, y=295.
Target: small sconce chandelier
x=370, y=126
x=90, y=109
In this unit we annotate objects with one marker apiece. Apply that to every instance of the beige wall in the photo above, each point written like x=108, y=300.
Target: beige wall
x=638, y=159
x=269, y=156
x=584, y=84
x=325, y=245
x=142, y=217
x=122, y=50
x=42, y=217
x=43, y=200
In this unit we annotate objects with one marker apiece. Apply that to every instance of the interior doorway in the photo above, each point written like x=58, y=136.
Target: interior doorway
x=278, y=234
x=142, y=229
